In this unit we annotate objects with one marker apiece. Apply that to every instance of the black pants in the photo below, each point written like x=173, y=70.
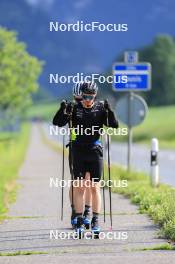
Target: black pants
x=87, y=159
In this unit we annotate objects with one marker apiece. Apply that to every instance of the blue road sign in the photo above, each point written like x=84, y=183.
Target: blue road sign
x=138, y=77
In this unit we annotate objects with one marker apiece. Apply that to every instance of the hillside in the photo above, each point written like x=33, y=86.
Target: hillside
x=72, y=52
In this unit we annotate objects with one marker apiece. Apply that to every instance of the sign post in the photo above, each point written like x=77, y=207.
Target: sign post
x=129, y=131
x=138, y=79
x=131, y=58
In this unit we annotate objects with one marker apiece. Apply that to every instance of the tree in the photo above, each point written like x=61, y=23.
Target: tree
x=161, y=55
x=19, y=73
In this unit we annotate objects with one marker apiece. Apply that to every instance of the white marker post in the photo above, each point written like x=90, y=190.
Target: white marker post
x=154, y=162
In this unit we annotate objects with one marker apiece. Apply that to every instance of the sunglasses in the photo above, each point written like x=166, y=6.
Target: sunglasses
x=88, y=97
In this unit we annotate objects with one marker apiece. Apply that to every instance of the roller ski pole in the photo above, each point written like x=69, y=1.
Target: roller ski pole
x=62, y=189
x=70, y=110
x=109, y=171
x=103, y=177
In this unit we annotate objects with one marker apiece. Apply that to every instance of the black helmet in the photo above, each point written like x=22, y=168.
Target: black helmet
x=89, y=88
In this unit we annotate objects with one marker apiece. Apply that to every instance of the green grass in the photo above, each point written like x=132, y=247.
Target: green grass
x=160, y=247
x=158, y=202
x=24, y=217
x=165, y=246
x=42, y=111
x=22, y=253
x=12, y=153
x=158, y=123
x=5, y=136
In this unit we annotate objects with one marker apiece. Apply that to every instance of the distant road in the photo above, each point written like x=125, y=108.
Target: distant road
x=140, y=158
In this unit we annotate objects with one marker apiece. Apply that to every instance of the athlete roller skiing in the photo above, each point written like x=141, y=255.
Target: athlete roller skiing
x=86, y=153
x=77, y=95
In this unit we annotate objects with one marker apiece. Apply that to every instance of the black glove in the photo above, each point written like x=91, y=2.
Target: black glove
x=63, y=105
x=69, y=108
x=107, y=106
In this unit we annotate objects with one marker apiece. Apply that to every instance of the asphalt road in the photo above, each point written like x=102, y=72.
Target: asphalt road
x=140, y=158
x=37, y=211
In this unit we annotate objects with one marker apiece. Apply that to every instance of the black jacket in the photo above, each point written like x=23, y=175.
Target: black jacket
x=83, y=117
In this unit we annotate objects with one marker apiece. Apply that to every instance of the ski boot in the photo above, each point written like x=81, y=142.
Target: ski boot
x=73, y=221
x=95, y=228
x=86, y=222
x=86, y=217
x=80, y=228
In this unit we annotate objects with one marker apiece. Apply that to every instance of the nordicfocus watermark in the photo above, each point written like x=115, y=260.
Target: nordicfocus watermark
x=79, y=130
x=81, y=26
x=80, y=77
x=80, y=182
x=109, y=235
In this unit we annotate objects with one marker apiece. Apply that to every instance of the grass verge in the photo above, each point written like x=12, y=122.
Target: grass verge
x=22, y=253
x=158, y=202
x=42, y=111
x=11, y=157
x=160, y=247
x=153, y=127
